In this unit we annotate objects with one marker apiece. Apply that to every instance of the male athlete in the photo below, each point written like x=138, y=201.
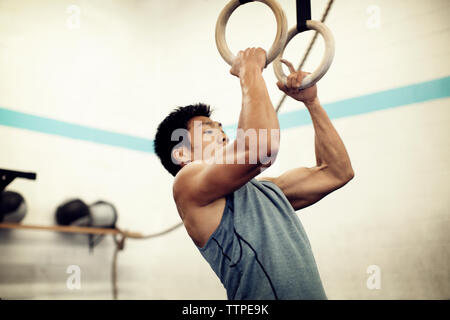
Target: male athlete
x=247, y=228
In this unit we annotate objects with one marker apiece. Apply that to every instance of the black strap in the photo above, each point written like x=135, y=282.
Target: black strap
x=245, y=1
x=303, y=14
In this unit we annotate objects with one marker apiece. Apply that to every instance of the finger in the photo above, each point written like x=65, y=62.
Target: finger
x=236, y=58
x=289, y=65
x=300, y=76
x=291, y=81
x=281, y=86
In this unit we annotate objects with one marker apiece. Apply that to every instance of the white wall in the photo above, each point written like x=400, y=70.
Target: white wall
x=131, y=62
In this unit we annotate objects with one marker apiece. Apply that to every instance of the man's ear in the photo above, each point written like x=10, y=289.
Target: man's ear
x=181, y=155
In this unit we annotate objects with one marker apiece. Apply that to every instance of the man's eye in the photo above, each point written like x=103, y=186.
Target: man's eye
x=208, y=131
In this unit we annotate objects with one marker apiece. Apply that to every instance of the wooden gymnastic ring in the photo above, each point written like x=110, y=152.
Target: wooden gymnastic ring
x=277, y=45
x=312, y=78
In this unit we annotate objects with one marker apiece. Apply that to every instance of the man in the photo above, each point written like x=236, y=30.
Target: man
x=247, y=229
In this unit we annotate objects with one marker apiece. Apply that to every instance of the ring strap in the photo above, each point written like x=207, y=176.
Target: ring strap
x=303, y=14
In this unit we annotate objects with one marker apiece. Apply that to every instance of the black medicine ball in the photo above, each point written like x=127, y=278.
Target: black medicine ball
x=73, y=212
x=12, y=207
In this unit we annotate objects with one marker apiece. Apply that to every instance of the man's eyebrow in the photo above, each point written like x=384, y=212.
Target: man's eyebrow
x=199, y=123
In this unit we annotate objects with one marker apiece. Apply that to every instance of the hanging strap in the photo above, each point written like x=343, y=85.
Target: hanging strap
x=303, y=14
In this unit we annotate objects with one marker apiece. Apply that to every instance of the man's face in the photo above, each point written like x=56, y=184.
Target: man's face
x=206, y=137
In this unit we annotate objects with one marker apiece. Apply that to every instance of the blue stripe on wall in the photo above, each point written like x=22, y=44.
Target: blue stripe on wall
x=30, y=122
x=420, y=92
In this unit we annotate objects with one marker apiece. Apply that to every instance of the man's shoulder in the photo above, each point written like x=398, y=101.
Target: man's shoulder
x=185, y=179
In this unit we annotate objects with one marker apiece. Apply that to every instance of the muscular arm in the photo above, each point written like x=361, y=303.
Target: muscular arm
x=257, y=110
x=305, y=186
x=201, y=182
x=317, y=151
x=330, y=150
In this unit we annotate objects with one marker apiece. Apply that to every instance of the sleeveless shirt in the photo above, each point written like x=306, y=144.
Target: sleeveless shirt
x=260, y=249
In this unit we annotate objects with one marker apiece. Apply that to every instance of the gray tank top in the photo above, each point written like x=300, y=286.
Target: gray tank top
x=260, y=249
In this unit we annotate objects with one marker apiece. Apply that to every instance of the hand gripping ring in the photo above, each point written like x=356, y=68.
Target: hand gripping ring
x=312, y=78
x=277, y=44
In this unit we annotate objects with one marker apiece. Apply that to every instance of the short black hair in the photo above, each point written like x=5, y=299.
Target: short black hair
x=177, y=119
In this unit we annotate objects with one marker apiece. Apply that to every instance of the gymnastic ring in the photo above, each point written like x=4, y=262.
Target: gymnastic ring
x=312, y=78
x=277, y=44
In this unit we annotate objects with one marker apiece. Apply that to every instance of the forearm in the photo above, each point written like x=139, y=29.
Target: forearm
x=318, y=151
x=257, y=110
x=330, y=149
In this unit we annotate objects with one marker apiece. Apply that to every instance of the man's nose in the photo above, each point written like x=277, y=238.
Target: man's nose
x=221, y=138
x=225, y=139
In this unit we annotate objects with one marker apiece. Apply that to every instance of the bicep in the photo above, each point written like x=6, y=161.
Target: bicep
x=203, y=182
x=305, y=186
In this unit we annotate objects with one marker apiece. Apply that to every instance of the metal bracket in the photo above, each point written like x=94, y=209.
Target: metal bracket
x=7, y=176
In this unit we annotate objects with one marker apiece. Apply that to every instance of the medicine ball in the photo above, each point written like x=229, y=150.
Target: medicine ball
x=100, y=214
x=103, y=214
x=13, y=207
x=73, y=212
